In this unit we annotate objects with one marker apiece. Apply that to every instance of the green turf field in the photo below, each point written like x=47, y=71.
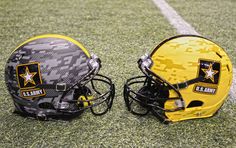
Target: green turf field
x=119, y=32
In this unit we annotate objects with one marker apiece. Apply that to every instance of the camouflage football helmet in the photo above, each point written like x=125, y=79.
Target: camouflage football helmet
x=54, y=75
x=185, y=77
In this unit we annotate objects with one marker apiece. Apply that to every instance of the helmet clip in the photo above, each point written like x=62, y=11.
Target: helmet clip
x=145, y=62
x=181, y=85
x=61, y=87
x=95, y=63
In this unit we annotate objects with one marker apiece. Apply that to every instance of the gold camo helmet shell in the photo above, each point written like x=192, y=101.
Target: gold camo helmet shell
x=197, y=73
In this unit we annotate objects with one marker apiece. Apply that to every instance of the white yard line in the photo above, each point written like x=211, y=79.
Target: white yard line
x=175, y=20
x=183, y=27
x=233, y=87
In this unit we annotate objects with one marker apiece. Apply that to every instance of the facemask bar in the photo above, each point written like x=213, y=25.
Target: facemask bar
x=106, y=97
x=128, y=93
x=145, y=63
x=150, y=78
x=91, y=76
x=108, y=100
x=132, y=97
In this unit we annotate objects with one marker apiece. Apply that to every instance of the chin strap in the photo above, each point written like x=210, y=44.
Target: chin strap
x=185, y=84
x=58, y=87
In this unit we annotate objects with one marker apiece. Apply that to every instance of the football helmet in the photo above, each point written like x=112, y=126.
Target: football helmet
x=53, y=75
x=185, y=77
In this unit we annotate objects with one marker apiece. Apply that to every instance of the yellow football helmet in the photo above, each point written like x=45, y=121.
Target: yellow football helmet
x=186, y=77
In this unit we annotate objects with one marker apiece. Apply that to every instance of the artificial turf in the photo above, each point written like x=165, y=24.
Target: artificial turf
x=119, y=32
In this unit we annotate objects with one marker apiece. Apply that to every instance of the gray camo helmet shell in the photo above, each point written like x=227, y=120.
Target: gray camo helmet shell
x=47, y=61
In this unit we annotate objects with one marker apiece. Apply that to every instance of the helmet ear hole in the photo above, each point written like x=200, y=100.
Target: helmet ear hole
x=195, y=103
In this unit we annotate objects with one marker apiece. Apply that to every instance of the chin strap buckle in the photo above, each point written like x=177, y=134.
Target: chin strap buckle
x=187, y=83
x=181, y=85
x=61, y=87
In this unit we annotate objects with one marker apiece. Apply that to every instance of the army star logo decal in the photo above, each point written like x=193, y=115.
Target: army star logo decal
x=209, y=73
x=28, y=76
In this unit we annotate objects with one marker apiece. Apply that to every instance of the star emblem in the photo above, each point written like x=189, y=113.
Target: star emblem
x=209, y=73
x=28, y=76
